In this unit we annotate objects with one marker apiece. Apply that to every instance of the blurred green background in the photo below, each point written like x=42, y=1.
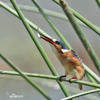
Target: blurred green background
x=16, y=44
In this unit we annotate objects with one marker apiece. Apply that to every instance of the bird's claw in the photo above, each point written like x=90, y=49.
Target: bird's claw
x=71, y=79
x=60, y=78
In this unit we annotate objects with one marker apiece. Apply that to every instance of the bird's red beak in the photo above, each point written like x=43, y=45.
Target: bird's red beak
x=47, y=39
x=52, y=41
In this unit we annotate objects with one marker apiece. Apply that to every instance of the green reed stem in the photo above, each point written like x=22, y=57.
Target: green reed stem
x=91, y=80
x=49, y=77
x=36, y=28
x=81, y=18
x=91, y=73
x=34, y=85
x=81, y=35
x=35, y=40
x=81, y=94
x=98, y=3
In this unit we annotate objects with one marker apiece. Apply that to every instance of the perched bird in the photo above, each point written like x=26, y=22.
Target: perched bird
x=68, y=58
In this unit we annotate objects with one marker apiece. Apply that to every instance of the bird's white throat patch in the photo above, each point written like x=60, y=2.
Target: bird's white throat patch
x=64, y=50
x=54, y=40
x=38, y=35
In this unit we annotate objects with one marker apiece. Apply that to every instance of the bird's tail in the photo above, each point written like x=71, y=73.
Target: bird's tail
x=80, y=86
x=80, y=74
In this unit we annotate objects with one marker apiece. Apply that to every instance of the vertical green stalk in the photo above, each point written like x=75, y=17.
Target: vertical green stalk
x=42, y=52
x=91, y=73
x=25, y=77
x=81, y=35
x=51, y=24
x=82, y=19
x=98, y=3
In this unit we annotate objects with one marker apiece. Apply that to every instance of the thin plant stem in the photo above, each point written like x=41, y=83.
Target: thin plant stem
x=34, y=85
x=36, y=28
x=81, y=18
x=80, y=34
x=49, y=77
x=35, y=40
x=81, y=94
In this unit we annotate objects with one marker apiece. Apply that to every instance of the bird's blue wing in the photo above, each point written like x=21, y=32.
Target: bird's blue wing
x=75, y=54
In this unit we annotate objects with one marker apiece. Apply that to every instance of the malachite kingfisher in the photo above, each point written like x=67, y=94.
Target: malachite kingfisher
x=68, y=58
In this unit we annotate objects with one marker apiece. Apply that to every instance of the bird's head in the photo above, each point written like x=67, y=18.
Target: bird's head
x=59, y=45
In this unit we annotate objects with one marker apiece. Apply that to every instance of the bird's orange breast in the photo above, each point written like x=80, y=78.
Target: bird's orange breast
x=68, y=66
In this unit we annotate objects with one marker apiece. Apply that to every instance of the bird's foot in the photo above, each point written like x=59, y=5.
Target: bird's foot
x=71, y=79
x=60, y=78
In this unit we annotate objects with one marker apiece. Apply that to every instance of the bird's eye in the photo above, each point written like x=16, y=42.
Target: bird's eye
x=57, y=42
